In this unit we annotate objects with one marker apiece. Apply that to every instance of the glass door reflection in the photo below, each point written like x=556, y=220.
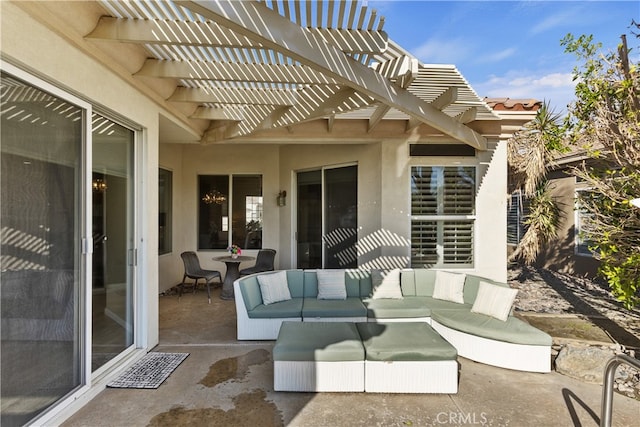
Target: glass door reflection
x=113, y=240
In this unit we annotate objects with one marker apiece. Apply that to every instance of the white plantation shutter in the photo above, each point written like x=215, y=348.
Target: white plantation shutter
x=518, y=206
x=442, y=216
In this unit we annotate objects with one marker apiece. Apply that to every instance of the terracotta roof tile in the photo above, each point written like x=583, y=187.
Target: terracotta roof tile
x=513, y=104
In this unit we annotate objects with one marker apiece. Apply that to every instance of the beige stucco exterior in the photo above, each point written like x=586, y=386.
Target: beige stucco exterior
x=34, y=42
x=383, y=196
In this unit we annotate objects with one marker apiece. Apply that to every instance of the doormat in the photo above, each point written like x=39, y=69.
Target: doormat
x=150, y=371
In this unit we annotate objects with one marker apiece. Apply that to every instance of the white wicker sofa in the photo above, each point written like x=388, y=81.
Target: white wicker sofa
x=509, y=343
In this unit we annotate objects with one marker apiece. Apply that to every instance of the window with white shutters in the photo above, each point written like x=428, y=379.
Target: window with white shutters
x=517, y=210
x=442, y=216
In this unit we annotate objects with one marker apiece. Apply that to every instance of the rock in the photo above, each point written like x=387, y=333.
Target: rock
x=583, y=363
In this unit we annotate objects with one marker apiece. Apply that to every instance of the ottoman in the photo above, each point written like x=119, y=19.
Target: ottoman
x=407, y=358
x=318, y=356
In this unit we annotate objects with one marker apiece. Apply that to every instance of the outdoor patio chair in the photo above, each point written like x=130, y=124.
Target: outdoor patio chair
x=193, y=271
x=264, y=262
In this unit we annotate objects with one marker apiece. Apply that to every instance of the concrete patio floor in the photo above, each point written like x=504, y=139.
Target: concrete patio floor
x=224, y=382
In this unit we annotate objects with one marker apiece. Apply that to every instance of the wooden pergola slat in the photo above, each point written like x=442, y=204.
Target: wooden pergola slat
x=271, y=30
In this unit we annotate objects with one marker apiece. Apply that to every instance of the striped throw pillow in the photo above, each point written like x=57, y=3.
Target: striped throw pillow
x=494, y=301
x=449, y=286
x=386, y=285
x=331, y=284
x=274, y=287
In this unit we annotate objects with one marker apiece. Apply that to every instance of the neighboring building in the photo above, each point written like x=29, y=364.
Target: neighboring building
x=569, y=252
x=133, y=131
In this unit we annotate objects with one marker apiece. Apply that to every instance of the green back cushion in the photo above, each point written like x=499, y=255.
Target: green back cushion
x=310, y=284
x=295, y=279
x=250, y=289
x=408, y=283
x=425, y=282
x=418, y=282
x=471, y=285
x=358, y=283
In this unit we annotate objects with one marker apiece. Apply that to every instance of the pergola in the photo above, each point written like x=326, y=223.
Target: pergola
x=236, y=68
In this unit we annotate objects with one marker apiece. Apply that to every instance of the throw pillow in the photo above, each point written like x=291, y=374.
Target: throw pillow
x=449, y=286
x=274, y=287
x=386, y=285
x=494, y=300
x=331, y=284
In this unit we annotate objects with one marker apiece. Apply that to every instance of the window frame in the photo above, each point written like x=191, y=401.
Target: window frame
x=519, y=203
x=227, y=220
x=578, y=241
x=168, y=220
x=442, y=218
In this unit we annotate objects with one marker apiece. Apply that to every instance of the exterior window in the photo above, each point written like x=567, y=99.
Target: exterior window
x=230, y=211
x=165, y=198
x=442, y=216
x=581, y=220
x=516, y=211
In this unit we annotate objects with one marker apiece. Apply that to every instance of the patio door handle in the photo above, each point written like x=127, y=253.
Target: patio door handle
x=132, y=257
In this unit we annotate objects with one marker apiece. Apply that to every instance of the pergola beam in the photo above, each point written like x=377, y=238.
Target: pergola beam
x=211, y=34
x=143, y=31
x=468, y=115
x=236, y=72
x=219, y=113
x=234, y=96
x=271, y=30
x=446, y=98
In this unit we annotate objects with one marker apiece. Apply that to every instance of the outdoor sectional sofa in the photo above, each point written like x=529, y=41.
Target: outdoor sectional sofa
x=509, y=343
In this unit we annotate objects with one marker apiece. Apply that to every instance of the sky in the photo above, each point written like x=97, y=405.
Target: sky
x=508, y=48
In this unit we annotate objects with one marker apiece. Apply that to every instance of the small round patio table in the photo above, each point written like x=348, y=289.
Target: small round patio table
x=233, y=272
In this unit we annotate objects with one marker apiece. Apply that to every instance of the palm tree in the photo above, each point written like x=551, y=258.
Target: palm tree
x=530, y=152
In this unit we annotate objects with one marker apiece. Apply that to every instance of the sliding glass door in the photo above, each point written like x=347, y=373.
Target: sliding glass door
x=114, y=255
x=326, y=218
x=56, y=258
x=42, y=179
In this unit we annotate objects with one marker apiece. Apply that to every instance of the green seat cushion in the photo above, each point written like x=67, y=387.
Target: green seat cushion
x=513, y=330
x=278, y=310
x=404, y=341
x=408, y=307
x=438, y=304
x=318, y=341
x=350, y=307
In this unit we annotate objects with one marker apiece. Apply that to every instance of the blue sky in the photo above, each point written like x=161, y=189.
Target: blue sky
x=508, y=48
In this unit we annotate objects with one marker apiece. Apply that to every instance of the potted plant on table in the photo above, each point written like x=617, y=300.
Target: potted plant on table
x=234, y=250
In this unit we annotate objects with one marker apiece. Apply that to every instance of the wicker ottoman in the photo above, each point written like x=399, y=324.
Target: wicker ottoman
x=407, y=358
x=318, y=356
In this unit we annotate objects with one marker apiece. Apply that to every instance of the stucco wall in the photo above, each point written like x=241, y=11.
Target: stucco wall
x=383, y=197
x=223, y=159
x=170, y=266
x=560, y=254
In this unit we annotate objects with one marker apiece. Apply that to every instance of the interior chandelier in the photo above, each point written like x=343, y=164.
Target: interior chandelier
x=99, y=185
x=214, y=196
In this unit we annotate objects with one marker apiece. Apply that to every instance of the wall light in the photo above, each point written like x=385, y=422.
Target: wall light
x=282, y=198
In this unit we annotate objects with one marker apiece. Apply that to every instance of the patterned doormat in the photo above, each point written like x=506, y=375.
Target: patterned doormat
x=150, y=371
